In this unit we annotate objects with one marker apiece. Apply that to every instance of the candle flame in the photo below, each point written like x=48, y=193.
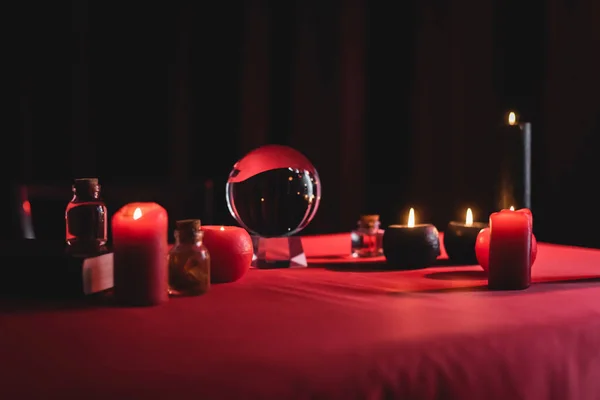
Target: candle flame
x=222, y=228
x=469, y=219
x=512, y=208
x=137, y=214
x=512, y=118
x=411, y=218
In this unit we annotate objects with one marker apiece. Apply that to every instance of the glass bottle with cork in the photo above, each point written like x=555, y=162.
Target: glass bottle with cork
x=86, y=219
x=189, y=260
x=367, y=239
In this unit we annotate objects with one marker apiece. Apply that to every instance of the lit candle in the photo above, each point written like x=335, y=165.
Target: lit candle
x=140, y=232
x=512, y=148
x=482, y=246
x=510, y=250
x=460, y=239
x=231, y=251
x=412, y=245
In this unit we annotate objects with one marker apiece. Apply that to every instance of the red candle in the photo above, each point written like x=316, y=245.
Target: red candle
x=231, y=251
x=140, y=246
x=482, y=248
x=510, y=250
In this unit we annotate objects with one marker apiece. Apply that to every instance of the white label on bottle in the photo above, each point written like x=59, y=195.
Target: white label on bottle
x=97, y=274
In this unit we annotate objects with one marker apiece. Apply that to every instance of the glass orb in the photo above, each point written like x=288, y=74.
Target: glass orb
x=273, y=191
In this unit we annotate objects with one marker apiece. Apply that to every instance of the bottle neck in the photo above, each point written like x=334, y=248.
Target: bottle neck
x=86, y=192
x=371, y=227
x=89, y=195
x=187, y=237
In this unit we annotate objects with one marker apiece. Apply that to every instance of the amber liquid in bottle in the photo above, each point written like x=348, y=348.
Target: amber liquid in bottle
x=189, y=261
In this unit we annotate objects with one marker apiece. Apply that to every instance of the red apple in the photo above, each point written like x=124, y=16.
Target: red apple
x=482, y=248
x=230, y=249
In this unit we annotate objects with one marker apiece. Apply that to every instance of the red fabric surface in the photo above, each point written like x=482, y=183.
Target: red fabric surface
x=327, y=334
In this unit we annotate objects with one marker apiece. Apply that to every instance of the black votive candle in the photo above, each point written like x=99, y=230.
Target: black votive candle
x=411, y=246
x=512, y=146
x=460, y=239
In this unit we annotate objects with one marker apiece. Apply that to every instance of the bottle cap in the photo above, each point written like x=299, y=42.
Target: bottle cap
x=86, y=181
x=369, y=219
x=84, y=184
x=188, y=225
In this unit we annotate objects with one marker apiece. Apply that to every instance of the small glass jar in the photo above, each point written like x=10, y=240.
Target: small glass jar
x=367, y=239
x=86, y=218
x=189, y=261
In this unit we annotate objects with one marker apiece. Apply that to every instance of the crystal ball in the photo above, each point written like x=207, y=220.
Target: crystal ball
x=273, y=191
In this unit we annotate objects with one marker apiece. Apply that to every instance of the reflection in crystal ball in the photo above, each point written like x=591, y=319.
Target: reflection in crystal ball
x=273, y=191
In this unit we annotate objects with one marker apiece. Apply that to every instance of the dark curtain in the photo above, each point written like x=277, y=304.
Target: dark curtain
x=570, y=140
x=304, y=86
x=453, y=110
x=394, y=103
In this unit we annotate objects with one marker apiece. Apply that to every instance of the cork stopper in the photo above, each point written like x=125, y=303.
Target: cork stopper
x=369, y=220
x=188, y=230
x=86, y=185
x=190, y=225
x=86, y=181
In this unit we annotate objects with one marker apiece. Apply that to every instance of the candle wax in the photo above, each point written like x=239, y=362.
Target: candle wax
x=510, y=250
x=482, y=249
x=512, y=166
x=140, y=232
x=411, y=247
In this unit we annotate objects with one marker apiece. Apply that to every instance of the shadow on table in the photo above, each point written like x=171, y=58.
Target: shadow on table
x=446, y=262
x=337, y=263
x=542, y=286
x=458, y=275
x=358, y=267
x=11, y=305
x=569, y=282
x=381, y=266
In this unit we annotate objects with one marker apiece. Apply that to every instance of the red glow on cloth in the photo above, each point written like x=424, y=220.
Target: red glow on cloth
x=343, y=334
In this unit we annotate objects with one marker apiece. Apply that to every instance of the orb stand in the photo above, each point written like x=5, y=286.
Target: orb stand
x=278, y=252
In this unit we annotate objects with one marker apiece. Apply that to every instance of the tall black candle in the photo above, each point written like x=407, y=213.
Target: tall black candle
x=512, y=146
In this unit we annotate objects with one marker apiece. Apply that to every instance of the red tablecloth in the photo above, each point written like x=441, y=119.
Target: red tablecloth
x=322, y=333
